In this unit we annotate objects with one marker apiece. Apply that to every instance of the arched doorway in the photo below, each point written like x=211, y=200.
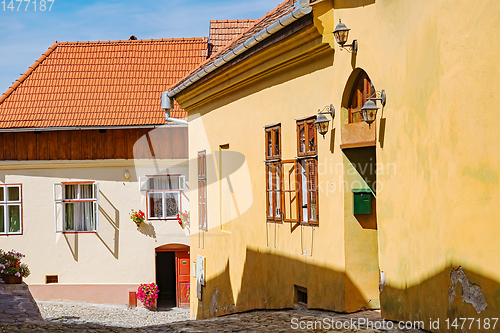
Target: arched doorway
x=172, y=275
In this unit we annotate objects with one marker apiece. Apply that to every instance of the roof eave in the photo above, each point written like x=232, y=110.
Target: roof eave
x=302, y=8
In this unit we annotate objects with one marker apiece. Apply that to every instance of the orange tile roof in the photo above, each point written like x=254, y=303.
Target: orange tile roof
x=223, y=32
x=113, y=83
x=271, y=17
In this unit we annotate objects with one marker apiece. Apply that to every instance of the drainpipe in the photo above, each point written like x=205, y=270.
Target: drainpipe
x=301, y=8
x=170, y=119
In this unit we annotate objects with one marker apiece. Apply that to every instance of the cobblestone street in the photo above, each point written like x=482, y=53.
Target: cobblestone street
x=67, y=317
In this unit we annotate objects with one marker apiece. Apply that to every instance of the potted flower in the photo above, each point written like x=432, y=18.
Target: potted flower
x=137, y=217
x=12, y=270
x=147, y=294
x=183, y=219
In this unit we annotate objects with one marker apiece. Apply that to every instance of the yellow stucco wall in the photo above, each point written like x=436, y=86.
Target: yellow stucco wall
x=437, y=207
x=250, y=264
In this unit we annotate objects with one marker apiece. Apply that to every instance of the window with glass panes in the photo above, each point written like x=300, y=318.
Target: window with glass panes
x=292, y=185
x=164, y=196
x=10, y=209
x=273, y=174
x=307, y=171
x=76, y=207
x=363, y=88
x=306, y=137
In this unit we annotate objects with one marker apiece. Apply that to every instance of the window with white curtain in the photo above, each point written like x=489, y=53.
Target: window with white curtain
x=164, y=196
x=76, y=207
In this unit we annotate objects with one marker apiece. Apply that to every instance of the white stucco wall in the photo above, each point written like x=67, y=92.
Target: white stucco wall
x=120, y=252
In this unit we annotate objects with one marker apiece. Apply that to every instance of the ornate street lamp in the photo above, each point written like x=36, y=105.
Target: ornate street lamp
x=369, y=110
x=341, y=33
x=322, y=121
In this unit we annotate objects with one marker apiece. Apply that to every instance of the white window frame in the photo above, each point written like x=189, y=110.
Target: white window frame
x=6, y=203
x=163, y=201
x=60, y=202
x=144, y=187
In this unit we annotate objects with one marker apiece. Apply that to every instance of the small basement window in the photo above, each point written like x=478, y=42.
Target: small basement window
x=300, y=295
x=51, y=279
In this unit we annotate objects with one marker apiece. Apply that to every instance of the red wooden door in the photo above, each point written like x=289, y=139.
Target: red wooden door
x=182, y=277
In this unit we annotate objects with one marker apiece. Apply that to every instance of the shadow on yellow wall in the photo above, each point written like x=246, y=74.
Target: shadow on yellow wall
x=268, y=282
x=454, y=293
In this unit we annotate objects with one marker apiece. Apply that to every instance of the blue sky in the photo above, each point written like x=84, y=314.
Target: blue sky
x=26, y=34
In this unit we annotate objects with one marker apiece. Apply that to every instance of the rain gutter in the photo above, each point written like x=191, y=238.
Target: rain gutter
x=45, y=129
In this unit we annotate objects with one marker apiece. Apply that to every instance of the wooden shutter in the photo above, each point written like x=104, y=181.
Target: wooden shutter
x=312, y=191
x=290, y=186
x=202, y=190
x=274, y=195
x=269, y=189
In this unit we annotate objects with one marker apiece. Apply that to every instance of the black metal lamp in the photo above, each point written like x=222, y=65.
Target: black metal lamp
x=322, y=121
x=369, y=110
x=341, y=33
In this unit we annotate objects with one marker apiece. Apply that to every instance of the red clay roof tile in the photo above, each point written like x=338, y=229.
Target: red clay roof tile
x=100, y=83
x=222, y=32
x=277, y=13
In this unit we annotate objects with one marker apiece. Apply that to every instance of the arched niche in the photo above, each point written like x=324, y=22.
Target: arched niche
x=355, y=132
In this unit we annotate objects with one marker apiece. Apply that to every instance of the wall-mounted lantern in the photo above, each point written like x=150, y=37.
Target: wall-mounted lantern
x=341, y=33
x=322, y=121
x=369, y=110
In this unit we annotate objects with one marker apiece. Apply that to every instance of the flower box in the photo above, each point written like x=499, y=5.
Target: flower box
x=11, y=279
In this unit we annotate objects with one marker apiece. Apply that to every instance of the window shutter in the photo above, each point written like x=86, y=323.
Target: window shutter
x=143, y=184
x=268, y=190
x=277, y=186
x=312, y=191
x=58, y=207
x=182, y=183
x=58, y=192
x=202, y=190
x=290, y=191
x=95, y=192
x=96, y=205
x=58, y=216
x=96, y=216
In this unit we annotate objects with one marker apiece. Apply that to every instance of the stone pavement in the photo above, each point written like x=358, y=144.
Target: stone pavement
x=300, y=320
x=17, y=305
